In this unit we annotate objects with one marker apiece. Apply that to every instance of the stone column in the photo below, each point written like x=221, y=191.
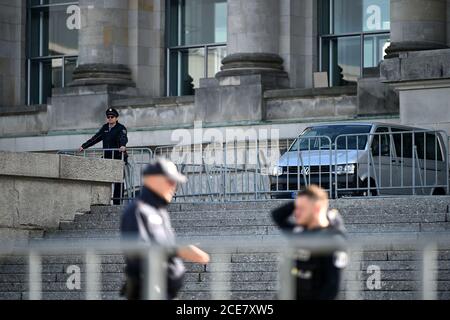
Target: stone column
x=253, y=39
x=448, y=23
x=12, y=53
x=417, y=25
x=103, y=44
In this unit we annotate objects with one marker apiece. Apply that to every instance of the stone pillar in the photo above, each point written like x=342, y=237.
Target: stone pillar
x=103, y=44
x=417, y=25
x=12, y=53
x=253, y=40
x=448, y=23
x=146, y=21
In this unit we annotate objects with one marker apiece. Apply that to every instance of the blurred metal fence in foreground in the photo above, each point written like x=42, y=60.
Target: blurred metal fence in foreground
x=155, y=271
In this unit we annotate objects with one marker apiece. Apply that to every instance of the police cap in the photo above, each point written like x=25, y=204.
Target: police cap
x=166, y=168
x=112, y=112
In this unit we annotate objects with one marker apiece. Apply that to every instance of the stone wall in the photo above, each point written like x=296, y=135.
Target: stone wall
x=12, y=53
x=301, y=104
x=38, y=191
x=423, y=82
x=31, y=120
x=145, y=113
x=156, y=112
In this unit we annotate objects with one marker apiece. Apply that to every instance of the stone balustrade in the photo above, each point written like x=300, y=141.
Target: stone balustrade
x=38, y=191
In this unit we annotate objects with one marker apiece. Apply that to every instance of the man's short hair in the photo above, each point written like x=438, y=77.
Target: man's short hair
x=315, y=194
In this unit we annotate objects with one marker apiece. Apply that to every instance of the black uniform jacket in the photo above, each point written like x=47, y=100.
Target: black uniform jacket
x=113, y=138
x=317, y=275
x=147, y=219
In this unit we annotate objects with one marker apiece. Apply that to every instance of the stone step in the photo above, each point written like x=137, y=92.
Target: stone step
x=273, y=286
x=240, y=277
x=57, y=268
x=253, y=272
x=399, y=205
x=58, y=287
x=243, y=295
x=67, y=259
x=353, y=216
x=242, y=265
x=386, y=285
x=69, y=296
x=261, y=221
x=224, y=239
x=233, y=257
x=257, y=230
x=379, y=295
x=366, y=295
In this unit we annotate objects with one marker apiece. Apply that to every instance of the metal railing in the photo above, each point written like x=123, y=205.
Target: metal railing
x=353, y=284
x=232, y=171
x=372, y=164
x=135, y=159
x=393, y=163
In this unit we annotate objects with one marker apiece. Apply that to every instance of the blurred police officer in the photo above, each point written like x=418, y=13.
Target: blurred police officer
x=147, y=219
x=115, y=139
x=317, y=276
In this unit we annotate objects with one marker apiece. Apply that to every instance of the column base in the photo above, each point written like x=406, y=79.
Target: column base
x=268, y=66
x=396, y=48
x=101, y=74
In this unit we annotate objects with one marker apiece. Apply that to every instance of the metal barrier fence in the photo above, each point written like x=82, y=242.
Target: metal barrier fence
x=233, y=171
x=134, y=159
x=155, y=257
x=393, y=163
x=372, y=164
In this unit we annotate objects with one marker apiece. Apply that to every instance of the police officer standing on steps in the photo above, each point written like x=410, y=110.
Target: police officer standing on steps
x=114, y=137
x=317, y=276
x=147, y=219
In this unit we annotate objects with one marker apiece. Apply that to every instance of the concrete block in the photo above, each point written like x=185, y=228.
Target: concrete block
x=229, y=103
x=424, y=107
x=29, y=165
x=8, y=197
x=375, y=98
x=89, y=169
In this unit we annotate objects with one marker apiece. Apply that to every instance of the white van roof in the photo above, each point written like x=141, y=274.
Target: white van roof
x=375, y=123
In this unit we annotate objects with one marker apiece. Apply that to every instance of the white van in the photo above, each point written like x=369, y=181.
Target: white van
x=358, y=159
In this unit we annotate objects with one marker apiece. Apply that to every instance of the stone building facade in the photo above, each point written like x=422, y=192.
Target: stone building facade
x=167, y=64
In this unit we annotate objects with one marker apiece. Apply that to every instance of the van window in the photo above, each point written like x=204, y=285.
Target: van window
x=433, y=147
x=419, y=140
x=425, y=150
x=403, y=143
x=381, y=144
x=356, y=140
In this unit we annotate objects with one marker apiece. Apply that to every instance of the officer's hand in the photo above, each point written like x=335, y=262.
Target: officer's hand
x=194, y=254
x=81, y=149
x=123, y=149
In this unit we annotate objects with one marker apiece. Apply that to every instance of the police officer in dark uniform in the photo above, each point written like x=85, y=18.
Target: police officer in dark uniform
x=115, y=139
x=317, y=276
x=147, y=219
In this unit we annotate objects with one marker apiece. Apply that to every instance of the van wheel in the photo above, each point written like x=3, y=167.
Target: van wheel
x=373, y=189
x=439, y=192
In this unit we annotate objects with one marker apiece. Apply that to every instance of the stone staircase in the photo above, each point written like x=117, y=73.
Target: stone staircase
x=253, y=274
